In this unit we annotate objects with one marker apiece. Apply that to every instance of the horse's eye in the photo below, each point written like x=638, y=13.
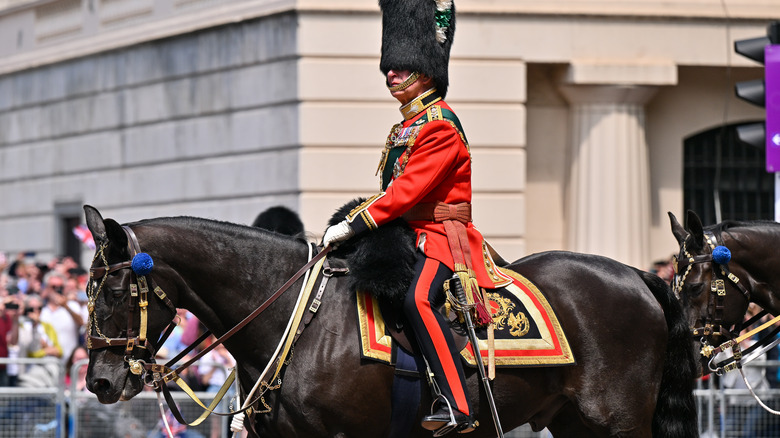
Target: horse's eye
x=117, y=289
x=694, y=289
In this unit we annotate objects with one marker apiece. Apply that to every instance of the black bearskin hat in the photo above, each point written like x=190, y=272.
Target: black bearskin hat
x=417, y=36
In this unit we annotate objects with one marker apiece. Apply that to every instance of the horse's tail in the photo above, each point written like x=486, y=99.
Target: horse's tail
x=675, y=411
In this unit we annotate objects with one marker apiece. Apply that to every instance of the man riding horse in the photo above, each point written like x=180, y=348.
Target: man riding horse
x=425, y=178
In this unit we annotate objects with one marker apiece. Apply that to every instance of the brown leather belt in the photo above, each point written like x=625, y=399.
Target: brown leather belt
x=439, y=212
x=455, y=217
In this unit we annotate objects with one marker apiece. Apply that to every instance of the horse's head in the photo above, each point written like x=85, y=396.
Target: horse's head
x=127, y=312
x=707, y=283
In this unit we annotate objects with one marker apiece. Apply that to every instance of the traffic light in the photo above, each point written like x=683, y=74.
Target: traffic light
x=764, y=93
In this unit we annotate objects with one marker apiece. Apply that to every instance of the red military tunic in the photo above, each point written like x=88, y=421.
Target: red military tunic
x=434, y=165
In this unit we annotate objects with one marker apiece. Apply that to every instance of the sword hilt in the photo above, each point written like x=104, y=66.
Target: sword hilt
x=460, y=293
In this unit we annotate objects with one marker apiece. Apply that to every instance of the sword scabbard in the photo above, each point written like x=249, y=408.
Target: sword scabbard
x=460, y=294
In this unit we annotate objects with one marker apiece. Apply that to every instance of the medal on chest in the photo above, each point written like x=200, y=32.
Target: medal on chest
x=397, y=150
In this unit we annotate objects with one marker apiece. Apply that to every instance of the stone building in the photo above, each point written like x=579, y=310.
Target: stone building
x=588, y=120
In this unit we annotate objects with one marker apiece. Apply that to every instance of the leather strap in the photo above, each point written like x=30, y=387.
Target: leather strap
x=100, y=271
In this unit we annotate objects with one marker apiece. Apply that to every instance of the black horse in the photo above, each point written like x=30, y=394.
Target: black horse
x=716, y=286
x=635, y=366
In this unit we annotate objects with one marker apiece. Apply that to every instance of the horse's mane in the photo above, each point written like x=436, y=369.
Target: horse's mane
x=727, y=225
x=217, y=227
x=381, y=261
x=762, y=229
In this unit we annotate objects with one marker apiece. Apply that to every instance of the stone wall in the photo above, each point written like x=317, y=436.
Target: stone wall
x=200, y=124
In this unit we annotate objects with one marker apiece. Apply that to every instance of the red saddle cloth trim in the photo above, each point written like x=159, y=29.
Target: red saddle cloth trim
x=550, y=347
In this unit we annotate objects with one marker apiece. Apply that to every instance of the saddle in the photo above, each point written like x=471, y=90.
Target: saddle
x=381, y=268
x=382, y=263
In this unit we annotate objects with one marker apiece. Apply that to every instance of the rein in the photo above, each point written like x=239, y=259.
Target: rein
x=139, y=292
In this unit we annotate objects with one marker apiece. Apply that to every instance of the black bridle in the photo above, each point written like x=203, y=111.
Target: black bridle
x=684, y=262
x=156, y=374
x=713, y=325
x=136, y=343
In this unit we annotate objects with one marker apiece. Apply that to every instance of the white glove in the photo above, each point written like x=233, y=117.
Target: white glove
x=337, y=233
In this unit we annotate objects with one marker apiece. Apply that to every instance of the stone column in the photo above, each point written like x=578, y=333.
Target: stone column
x=608, y=194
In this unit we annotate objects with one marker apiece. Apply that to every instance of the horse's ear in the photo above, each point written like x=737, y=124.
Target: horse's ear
x=95, y=224
x=679, y=232
x=104, y=230
x=695, y=227
x=116, y=235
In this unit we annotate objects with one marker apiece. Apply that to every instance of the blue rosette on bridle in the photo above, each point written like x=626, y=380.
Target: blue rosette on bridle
x=721, y=255
x=142, y=264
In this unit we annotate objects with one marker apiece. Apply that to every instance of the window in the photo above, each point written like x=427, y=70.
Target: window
x=718, y=168
x=68, y=216
x=70, y=244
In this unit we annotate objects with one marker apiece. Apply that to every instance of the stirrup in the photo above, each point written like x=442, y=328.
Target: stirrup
x=452, y=424
x=444, y=430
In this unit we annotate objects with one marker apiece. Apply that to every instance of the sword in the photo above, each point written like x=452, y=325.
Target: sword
x=461, y=295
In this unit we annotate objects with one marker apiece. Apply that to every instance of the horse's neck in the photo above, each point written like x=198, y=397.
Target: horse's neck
x=227, y=277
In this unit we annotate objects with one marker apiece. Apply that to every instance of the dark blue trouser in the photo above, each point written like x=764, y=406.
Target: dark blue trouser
x=432, y=330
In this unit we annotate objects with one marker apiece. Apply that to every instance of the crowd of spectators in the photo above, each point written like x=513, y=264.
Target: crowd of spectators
x=43, y=313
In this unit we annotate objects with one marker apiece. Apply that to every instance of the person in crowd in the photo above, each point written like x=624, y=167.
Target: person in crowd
x=174, y=344
x=77, y=380
x=215, y=365
x=36, y=339
x=193, y=330
x=664, y=269
x=425, y=165
x=27, y=275
x=65, y=265
x=62, y=313
x=71, y=287
x=9, y=317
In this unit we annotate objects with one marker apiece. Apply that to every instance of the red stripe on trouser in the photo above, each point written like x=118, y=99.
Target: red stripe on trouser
x=437, y=337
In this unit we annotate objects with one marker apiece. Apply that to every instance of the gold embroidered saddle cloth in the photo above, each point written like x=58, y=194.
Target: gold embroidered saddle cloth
x=527, y=332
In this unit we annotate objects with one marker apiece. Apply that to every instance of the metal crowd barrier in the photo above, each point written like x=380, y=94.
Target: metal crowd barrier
x=44, y=411
x=35, y=409
x=60, y=411
x=734, y=413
